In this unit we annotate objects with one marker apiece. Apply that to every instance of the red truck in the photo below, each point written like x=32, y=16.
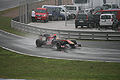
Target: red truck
x=109, y=11
x=41, y=14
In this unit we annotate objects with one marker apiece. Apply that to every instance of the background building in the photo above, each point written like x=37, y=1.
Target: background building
x=93, y=3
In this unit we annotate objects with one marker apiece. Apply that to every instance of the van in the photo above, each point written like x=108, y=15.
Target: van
x=108, y=20
x=73, y=9
x=56, y=12
x=41, y=14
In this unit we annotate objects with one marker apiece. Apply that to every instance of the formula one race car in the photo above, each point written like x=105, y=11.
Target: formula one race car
x=58, y=44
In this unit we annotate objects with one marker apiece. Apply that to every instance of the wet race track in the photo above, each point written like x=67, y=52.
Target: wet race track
x=90, y=50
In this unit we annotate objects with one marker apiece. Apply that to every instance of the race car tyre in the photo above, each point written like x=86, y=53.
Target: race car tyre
x=58, y=46
x=74, y=41
x=39, y=43
x=79, y=45
x=73, y=45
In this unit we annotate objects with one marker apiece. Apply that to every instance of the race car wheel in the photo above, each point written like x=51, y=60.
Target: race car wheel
x=73, y=45
x=39, y=43
x=79, y=45
x=74, y=41
x=58, y=46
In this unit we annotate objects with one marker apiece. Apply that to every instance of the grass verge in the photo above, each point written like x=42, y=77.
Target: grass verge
x=17, y=66
x=5, y=23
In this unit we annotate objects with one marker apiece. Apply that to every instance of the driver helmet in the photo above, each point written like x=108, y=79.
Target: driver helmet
x=54, y=35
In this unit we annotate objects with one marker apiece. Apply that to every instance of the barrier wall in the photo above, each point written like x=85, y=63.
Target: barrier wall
x=91, y=35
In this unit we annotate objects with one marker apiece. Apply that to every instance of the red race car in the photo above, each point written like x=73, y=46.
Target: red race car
x=54, y=42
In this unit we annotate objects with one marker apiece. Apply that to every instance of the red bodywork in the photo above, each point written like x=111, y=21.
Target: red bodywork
x=50, y=38
x=112, y=11
x=41, y=14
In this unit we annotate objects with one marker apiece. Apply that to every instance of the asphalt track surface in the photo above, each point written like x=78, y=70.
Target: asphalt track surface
x=108, y=51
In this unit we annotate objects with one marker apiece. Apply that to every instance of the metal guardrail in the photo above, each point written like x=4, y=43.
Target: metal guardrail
x=91, y=35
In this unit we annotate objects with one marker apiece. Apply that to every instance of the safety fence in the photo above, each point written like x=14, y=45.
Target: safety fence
x=91, y=35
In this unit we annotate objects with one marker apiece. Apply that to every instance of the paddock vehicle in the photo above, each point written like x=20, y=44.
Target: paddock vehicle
x=81, y=20
x=116, y=12
x=41, y=14
x=107, y=20
x=57, y=12
x=53, y=42
x=72, y=9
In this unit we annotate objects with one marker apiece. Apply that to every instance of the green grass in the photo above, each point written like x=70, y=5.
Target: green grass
x=17, y=66
x=5, y=23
